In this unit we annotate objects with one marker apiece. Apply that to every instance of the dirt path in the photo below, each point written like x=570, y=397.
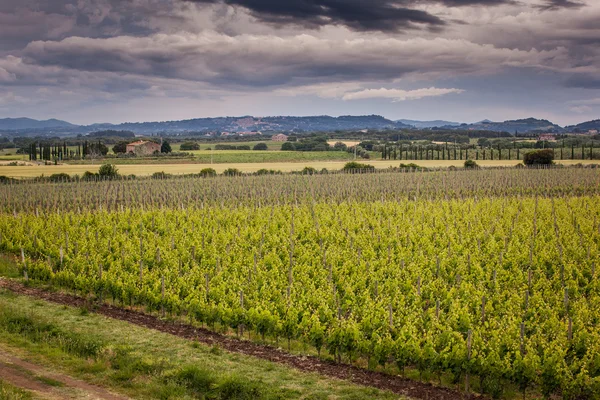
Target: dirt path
x=48, y=384
x=396, y=384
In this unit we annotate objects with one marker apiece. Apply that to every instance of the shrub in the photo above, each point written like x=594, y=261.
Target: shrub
x=161, y=175
x=206, y=172
x=539, y=157
x=309, y=171
x=90, y=176
x=62, y=177
x=260, y=146
x=6, y=179
x=412, y=166
x=287, y=146
x=232, y=172
x=264, y=171
x=108, y=171
x=470, y=164
x=356, y=166
x=187, y=146
x=231, y=147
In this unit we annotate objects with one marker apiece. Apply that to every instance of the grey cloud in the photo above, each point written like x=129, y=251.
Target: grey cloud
x=249, y=60
x=25, y=21
x=16, y=72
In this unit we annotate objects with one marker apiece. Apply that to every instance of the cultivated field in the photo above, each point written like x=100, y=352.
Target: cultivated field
x=193, y=168
x=481, y=280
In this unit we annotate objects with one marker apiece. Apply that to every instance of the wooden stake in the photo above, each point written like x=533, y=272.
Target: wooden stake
x=469, y=340
x=483, y=299
x=162, y=291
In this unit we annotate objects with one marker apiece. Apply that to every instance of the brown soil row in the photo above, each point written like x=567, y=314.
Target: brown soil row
x=396, y=384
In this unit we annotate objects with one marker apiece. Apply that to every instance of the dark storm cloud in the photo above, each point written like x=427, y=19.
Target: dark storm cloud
x=373, y=15
x=383, y=15
x=558, y=4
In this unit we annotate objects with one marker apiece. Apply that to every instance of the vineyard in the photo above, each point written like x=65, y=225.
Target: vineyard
x=485, y=279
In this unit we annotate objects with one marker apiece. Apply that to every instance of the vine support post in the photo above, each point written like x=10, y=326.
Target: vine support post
x=469, y=341
x=522, y=334
x=141, y=273
x=162, y=294
x=483, y=299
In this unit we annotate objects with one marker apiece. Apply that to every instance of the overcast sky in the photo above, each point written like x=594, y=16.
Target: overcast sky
x=91, y=61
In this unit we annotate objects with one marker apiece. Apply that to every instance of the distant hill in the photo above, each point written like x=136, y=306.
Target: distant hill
x=249, y=123
x=585, y=126
x=517, y=125
x=111, y=133
x=13, y=124
x=54, y=127
x=427, y=124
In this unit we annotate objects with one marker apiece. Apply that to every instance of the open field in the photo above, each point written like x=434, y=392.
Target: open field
x=10, y=154
x=204, y=146
x=185, y=168
x=229, y=157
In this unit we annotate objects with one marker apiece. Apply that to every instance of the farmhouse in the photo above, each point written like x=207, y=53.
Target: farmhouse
x=547, y=137
x=279, y=138
x=143, y=148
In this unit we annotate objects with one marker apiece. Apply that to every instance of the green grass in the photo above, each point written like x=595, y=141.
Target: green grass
x=8, y=267
x=10, y=392
x=148, y=364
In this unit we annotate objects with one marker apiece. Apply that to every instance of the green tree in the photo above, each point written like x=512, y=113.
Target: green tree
x=120, y=148
x=188, y=146
x=260, y=146
x=340, y=146
x=539, y=157
x=108, y=171
x=165, y=147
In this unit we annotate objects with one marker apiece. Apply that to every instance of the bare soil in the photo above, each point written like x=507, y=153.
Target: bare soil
x=393, y=383
x=26, y=375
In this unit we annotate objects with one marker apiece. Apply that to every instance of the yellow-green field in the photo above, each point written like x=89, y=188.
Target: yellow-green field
x=149, y=169
x=11, y=154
